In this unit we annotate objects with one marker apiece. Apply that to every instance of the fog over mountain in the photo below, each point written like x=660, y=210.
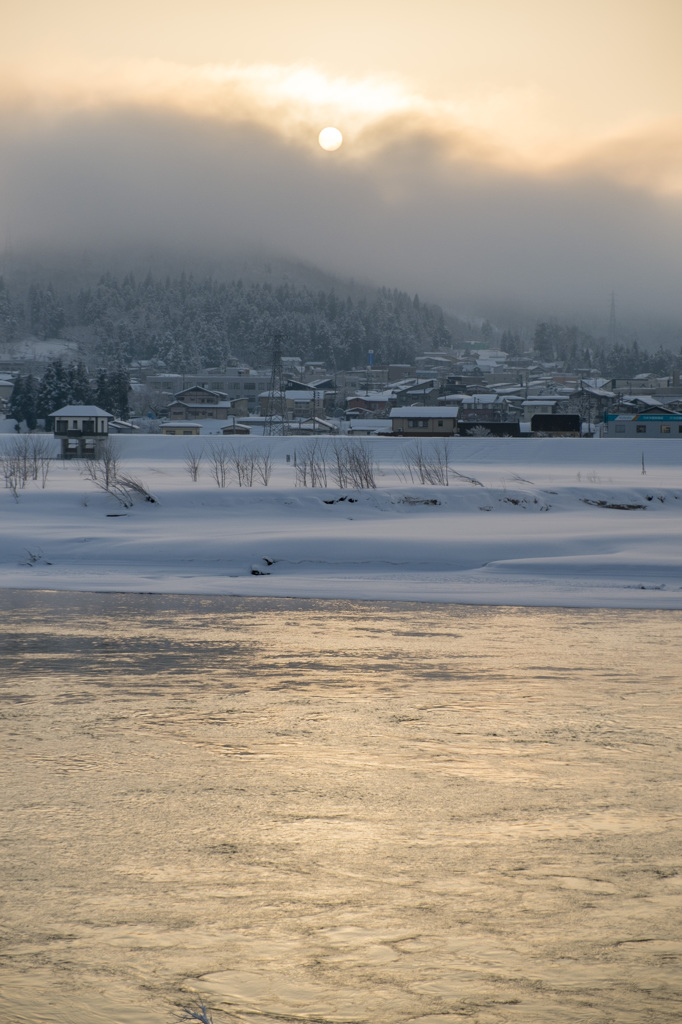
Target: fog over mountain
x=405, y=203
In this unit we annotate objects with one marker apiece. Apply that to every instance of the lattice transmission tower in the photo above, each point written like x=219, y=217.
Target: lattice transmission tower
x=613, y=323
x=276, y=416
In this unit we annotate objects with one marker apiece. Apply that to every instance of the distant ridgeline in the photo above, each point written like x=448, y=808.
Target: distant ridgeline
x=191, y=324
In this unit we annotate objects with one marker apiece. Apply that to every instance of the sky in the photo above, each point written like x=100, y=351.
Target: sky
x=497, y=153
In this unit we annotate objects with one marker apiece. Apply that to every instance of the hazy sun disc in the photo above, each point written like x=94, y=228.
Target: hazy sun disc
x=330, y=139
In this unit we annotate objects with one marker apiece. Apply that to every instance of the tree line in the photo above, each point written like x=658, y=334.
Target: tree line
x=188, y=324
x=34, y=398
x=572, y=348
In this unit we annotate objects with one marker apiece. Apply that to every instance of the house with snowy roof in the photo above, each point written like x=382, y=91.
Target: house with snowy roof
x=198, y=402
x=81, y=429
x=424, y=420
x=300, y=402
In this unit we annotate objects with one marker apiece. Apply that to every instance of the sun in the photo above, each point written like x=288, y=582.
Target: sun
x=330, y=139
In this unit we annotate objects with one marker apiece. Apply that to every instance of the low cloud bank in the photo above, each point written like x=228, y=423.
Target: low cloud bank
x=406, y=201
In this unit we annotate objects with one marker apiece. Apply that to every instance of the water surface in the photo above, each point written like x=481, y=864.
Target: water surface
x=338, y=811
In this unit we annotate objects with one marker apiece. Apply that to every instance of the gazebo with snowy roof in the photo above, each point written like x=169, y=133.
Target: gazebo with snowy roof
x=80, y=429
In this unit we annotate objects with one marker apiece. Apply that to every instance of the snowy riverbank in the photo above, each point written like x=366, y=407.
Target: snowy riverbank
x=564, y=522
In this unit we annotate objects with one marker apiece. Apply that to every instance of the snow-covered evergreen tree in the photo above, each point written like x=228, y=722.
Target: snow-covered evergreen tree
x=80, y=388
x=103, y=396
x=53, y=390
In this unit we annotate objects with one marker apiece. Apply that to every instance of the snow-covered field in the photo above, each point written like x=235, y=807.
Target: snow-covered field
x=525, y=523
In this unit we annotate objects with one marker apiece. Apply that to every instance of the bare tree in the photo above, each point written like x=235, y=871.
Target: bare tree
x=440, y=463
x=301, y=470
x=20, y=455
x=349, y=463
x=11, y=471
x=361, y=466
x=339, y=468
x=104, y=467
x=193, y=461
x=243, y=464
x=219, y=461
x=26, y=458
x=431, y=464
x=311, y=464
x=413, y=463
x=263, y=465
x=41, y=460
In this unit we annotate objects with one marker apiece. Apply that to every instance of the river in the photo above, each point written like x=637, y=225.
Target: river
x=338, y=812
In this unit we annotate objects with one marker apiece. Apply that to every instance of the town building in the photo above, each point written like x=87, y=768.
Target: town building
x=424, y=421
x=81, y=429
x=658, y=422
x=199, y=402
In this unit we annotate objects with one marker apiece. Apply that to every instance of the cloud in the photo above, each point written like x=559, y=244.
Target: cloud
x=414, y=198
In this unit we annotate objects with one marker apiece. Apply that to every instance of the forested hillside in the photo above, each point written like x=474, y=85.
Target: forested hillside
x=189, y=324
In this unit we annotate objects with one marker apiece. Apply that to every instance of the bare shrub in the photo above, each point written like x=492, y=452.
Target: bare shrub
x=361, y=466
x=103, y=469
x=193, y=460
x=40, y=456
x=249, y=465
x=431, y=464
x=26, y=458
x=469, y=479
x=352, y=465
x=301, y=470
x=439, y=468
x=45, y=466
x=263, y=465
x=242, y=464
x=219, y=461
x=311, y=464
x=129, y=487
x=11, y=474
x=414, y=461
x=105, y=472
x=21, y=453
x=339, y=469
x=479, y=431
x=427, y=464
x=18, y=457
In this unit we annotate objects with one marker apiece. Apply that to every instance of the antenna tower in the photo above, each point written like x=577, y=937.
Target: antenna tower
x=276, y=417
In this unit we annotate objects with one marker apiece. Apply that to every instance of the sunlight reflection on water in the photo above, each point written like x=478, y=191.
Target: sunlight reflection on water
x=339, y=810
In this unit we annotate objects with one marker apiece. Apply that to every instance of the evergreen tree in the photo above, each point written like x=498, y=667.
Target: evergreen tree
x=15, y=406
x=119, y=389
x=103, y=396
x=8, y=316
x=80, y=389
x=53, y=389
x=30, y=402
x=52, y=319
x=511, y=343
x=543, y=342
x=24, y=400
